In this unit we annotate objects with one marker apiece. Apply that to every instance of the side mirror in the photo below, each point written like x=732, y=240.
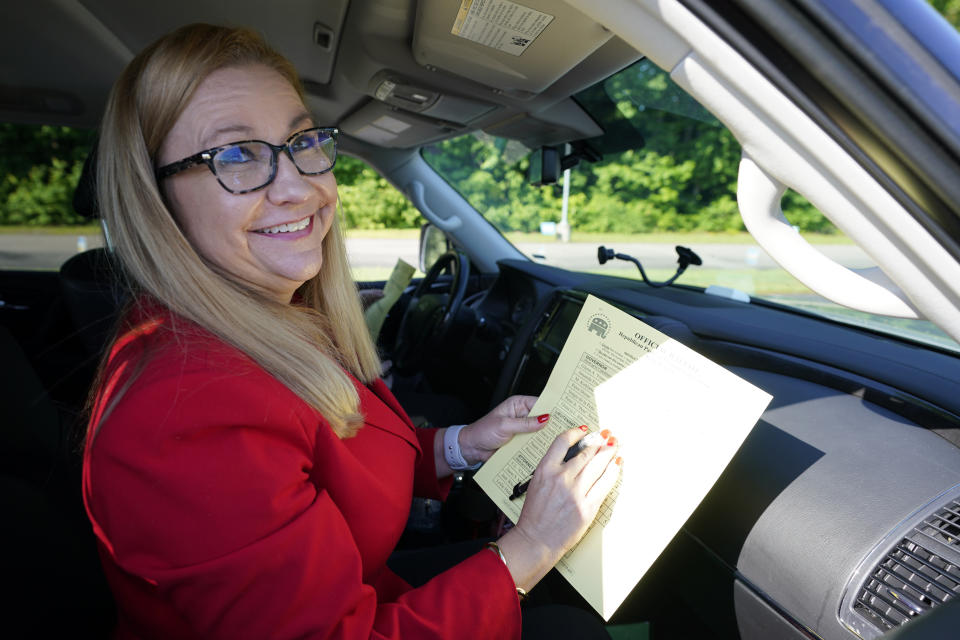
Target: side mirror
x=433, y=244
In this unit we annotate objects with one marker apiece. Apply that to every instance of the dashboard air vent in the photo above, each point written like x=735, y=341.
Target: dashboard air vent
x=915, y=568
x=944, y=525
x=910, y=580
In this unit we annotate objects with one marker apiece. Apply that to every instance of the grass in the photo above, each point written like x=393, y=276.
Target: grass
x=765, y=282
x=693, y=238
x=383, y=233
x=756, y=282
x=92, y=229
x=774, y=284
x=375, y=274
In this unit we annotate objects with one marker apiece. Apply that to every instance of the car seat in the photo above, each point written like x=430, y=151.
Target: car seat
x=54, y=582
x=55, y=585
x=91, y=281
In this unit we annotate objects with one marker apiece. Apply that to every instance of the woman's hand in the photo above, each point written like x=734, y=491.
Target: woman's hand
x=480, y=439
x=562, y=501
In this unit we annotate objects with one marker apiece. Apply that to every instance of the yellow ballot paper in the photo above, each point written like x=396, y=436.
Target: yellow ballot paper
x=376, y=313
x=679, y=417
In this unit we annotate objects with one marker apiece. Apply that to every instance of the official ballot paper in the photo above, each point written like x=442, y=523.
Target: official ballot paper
x=679, y=418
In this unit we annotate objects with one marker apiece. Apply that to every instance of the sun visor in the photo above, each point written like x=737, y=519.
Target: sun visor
x=384, y=126
x=397, y=91
x=520, y=48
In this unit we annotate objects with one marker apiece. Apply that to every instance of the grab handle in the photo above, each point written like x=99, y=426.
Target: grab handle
x=415, y=191
x=759, y=195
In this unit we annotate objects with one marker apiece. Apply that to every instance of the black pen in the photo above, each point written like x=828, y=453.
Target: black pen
x=594, y=439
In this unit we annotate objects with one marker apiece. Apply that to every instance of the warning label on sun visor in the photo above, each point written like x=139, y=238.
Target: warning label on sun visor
x=500, y=24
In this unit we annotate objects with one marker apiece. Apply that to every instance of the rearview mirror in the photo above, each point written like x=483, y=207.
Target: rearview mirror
x=544, y=166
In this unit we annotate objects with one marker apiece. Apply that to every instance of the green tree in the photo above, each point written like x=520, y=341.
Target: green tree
x=949, y=9
x=39, y=170
x=668, y=165
x=369, y=201
x=44, y=196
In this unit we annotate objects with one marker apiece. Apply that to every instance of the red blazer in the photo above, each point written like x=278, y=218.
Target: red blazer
x=226, y=507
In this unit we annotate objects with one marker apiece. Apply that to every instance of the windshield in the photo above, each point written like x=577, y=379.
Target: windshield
x=664, y=173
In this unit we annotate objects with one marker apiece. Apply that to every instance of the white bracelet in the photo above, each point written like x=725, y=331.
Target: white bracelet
x=451, y=450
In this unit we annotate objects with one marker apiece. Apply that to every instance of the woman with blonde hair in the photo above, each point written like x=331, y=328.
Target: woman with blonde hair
x=246, y=472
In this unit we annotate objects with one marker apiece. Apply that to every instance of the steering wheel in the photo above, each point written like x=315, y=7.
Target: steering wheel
x=429, y=316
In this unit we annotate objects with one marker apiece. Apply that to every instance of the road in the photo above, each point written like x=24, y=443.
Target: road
x=369, y=252
x=663, y=256
x=40, y=251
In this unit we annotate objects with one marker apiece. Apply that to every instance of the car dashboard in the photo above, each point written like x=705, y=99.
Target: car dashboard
x=839, y=515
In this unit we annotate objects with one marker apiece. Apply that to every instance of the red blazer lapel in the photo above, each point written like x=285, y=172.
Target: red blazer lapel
x=384, y=412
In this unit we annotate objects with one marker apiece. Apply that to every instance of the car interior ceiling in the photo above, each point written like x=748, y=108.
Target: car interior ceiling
x=835, y=387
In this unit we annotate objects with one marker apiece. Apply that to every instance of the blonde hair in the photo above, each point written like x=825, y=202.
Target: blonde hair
x=308, y=347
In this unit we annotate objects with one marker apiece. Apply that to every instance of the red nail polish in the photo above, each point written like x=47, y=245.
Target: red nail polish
x=619, y=460
x=611, y=441
x=543, y=418
x=583, y=427
x=605, y=433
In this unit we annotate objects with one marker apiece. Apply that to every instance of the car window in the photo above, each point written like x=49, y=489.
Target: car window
x=40, y=230
x=39, y=169
x=381, y=224
x=663, y=174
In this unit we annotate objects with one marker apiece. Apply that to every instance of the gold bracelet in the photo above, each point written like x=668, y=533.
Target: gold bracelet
x=493, y=546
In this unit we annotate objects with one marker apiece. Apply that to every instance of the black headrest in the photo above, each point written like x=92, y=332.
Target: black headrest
x=92, y=286
x=85, y=195
x=96, y=268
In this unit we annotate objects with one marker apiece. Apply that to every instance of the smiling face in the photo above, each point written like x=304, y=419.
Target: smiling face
x=270, y=239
